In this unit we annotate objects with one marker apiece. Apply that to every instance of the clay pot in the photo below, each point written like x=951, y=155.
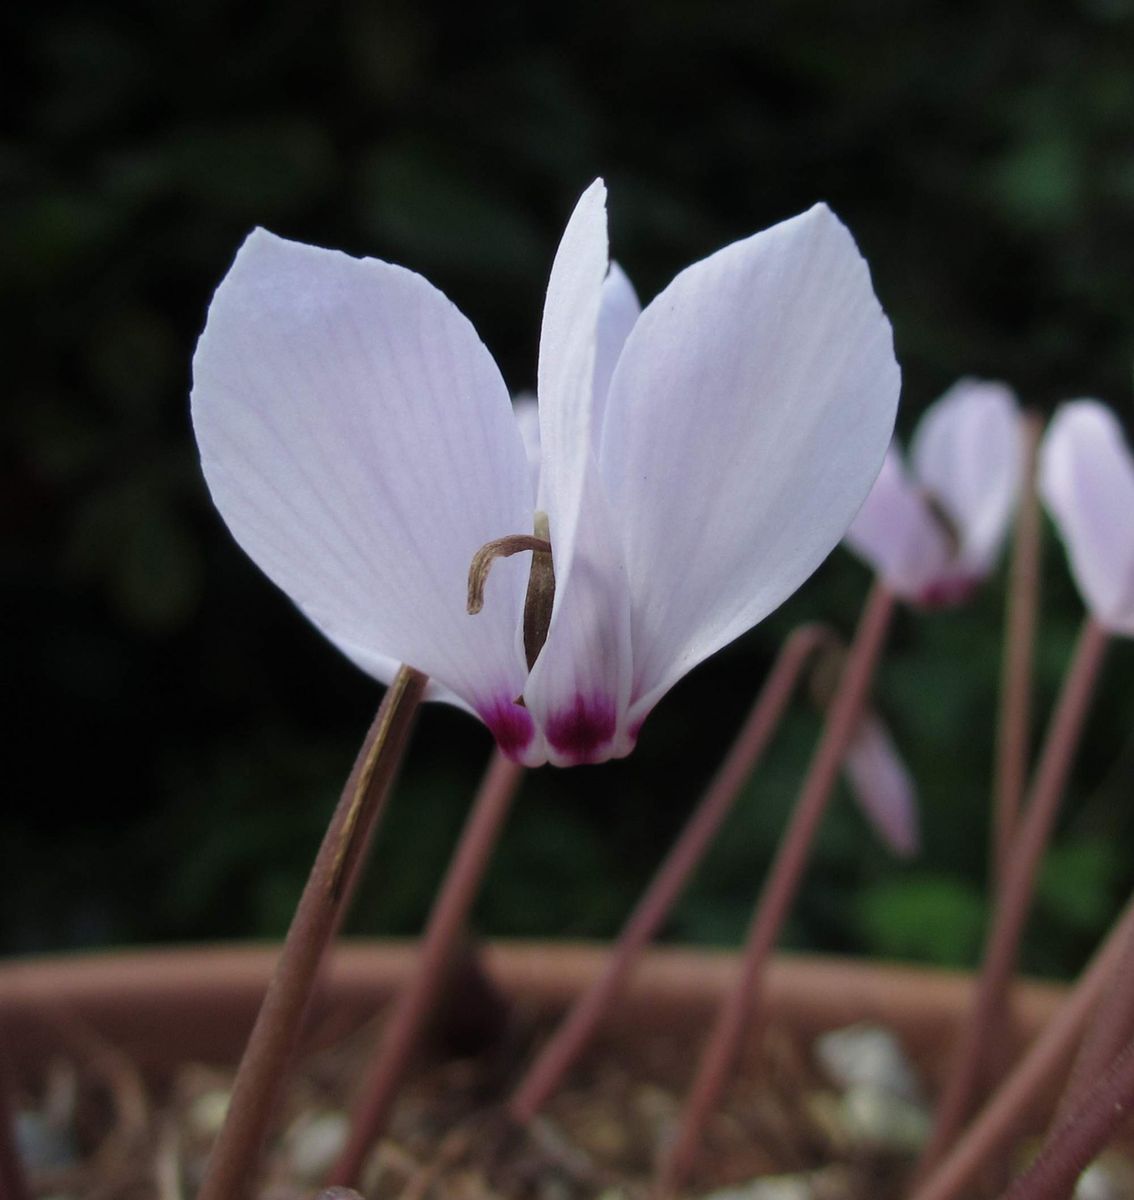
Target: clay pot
x=166, y=1006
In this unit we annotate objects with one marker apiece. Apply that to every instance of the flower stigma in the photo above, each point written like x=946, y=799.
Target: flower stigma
x=541, y=581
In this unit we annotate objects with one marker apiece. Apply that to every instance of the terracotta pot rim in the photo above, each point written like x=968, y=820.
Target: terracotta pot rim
x=207, y=996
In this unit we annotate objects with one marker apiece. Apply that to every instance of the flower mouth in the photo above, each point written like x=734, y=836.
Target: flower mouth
x=950, y=529
x=541, y=581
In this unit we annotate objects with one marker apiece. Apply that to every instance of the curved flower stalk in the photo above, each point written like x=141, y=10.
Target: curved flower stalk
x=697, y=462
x=1086, y=479
x=933, y=532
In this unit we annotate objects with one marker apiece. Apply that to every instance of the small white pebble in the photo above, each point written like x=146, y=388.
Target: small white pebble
x=771, y=1187
x=803, y=1185
x=868, y=1055
x=878, y=1118
x=1109, y=1177
x=315, y=1142
x=207, y=1112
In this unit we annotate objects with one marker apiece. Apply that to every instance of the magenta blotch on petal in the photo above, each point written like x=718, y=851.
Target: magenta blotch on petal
x=948, y=593
x=512, y=727
x=583, y=732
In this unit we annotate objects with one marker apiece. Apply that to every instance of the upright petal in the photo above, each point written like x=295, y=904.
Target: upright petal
x=1086, y=478
x=358, y=440
x=566, y=367
x=747, y=418
x=618, y=313
x=579, y=687
x=896, y=533
x=527, y=418
x=967, y=452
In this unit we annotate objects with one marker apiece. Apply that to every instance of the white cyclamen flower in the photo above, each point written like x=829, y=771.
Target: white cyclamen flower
x=698, y=460
x=1086, y=479
x=934, y=533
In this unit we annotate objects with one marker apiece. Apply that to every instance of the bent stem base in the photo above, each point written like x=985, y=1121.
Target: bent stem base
x=418, y=1000
x=783, y=881
x=1014, y=898
x=988, y=1137
x=271, y=1045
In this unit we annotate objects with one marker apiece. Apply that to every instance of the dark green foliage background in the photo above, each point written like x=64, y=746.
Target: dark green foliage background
x=179, y=733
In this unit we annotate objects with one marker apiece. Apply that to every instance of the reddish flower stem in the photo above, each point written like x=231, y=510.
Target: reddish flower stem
x=578, y=1027
x=1078, y=1138
x=1111, y=1027
x=739, y=1009
x=1019, y=651
x=272, y=1043
x=13, y=1180
x=417, y=1001
x=988, y=1137
x=1014, y=899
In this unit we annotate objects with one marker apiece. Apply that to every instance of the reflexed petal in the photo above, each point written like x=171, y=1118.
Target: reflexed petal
x=358, y=440
x=618, y=313
x=1086, y=478
x=747, y=418
x=897, y=535
x=883, y=787
x=968, y=452
x=382, y=668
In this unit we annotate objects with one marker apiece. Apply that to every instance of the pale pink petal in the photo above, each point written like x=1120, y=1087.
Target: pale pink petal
x=617, y=315
x=967, y=452
x=527, y=418
x=896, y=533
x=1086, y=478
x=566, y=368
x=883, y=787
x=579, y=686
x=358, y=440
x=579, y=689
x=748, y=415
x=383, y=668
x=618, y=310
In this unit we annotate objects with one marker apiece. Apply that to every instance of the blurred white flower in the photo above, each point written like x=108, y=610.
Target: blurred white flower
x=1086, y=479
x=697, y=461
x=933, y=533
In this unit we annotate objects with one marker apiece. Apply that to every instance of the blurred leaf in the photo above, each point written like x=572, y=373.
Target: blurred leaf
x=1040, y=183
x=1078, y=881
x=927, y=918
